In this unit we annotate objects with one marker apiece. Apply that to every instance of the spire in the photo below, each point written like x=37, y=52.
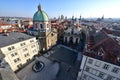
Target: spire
x=39, y=7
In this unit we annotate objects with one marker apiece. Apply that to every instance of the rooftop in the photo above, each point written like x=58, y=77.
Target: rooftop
x=13, y=37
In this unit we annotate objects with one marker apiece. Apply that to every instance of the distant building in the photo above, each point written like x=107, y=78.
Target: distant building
x=42, y=30
x=73, y=34
x=18, y=48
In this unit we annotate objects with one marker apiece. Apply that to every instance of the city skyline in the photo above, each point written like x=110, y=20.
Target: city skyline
x=54, y=8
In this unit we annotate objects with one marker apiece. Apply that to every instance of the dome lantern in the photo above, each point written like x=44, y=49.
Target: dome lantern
x=39, y=8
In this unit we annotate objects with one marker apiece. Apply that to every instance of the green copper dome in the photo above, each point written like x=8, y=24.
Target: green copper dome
x=40, y=15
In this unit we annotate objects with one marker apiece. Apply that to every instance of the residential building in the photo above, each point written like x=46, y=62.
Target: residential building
x=18, y=48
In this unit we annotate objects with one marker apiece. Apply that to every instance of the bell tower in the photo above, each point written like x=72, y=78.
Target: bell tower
x=41, y=24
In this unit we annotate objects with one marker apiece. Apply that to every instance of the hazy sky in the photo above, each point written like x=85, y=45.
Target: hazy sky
x=54, y=8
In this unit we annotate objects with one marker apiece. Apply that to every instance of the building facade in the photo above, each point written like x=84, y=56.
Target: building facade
x=18, y=49
x=101, y=58
x=94, y=69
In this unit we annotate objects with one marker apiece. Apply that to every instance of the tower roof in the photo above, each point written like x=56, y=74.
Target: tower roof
x=40, y=15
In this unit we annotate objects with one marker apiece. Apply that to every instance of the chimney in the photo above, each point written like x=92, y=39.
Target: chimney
x=91, y=41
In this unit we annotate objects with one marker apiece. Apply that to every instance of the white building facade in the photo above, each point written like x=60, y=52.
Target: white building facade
x=94, y=69
x=21, y=51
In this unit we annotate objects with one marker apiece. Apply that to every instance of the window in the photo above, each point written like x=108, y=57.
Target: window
x=28, y=60
x=101, y=75
x=115, y=70
x=16, y=60
x=47, y=25
x=87, y=69
x=106, y=66
x=41, y=26
x=97, y=63
x=93, y=71
x=10, y=48
x=26, y=54
x=15, y=53
x=22, y=44
x=34, y=50
x=25, y=49
x=84, y=76
x=19, y=66
x=12, y=55
x=90, y=61
x=109, y=77
x=31, y=41
x=32, y=46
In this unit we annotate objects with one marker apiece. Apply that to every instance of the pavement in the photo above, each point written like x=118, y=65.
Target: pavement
x=60, y=64
x=67, y=58
x=49, y=72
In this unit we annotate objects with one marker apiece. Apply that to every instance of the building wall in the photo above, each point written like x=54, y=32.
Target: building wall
x=94, y=69
x=20, y=53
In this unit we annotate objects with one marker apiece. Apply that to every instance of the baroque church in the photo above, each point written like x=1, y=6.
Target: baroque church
x=47, y=36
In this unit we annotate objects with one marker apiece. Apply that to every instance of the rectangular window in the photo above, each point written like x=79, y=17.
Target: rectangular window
x=18, y=59
x=9, y=49
x=90, y=61
x=31, y=41
x=15, y=53
x=28, y=60
x=19, y=66
x=109, y=77
x=26, y=54
x=101, y=75
x=115, y=70
x=87, y=69
x=12, y=55
x=25, y=49
x=34, y=51
x=106, y=66
x=32, y=46
x=93, y=71
x=15, y=60
x=22, y=44
x=12, y=47
x=97, y=63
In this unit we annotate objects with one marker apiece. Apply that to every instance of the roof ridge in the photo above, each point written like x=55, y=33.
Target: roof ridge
x=99, y=43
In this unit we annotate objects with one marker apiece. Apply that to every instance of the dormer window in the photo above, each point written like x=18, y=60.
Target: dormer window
x=118, y=59
x=100, y=53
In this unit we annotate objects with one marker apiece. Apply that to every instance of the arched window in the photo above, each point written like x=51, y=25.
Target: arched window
x=41, y=26
x=47, y=25
x=71, y=40
x=76, y=41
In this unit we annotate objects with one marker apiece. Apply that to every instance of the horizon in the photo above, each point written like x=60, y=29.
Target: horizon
x=85, y=8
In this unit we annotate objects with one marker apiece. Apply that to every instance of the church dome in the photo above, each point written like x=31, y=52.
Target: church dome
x=40, y=15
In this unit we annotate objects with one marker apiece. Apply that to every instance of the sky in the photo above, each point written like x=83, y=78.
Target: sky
x=69, y=8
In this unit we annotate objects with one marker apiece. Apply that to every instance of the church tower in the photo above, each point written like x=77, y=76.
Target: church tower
x=42, y=25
